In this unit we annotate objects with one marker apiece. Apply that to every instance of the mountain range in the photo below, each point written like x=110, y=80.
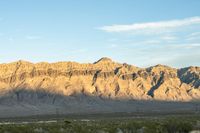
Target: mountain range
x=103, y=86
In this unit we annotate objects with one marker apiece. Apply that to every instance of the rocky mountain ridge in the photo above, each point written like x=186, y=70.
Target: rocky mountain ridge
x=104, y=79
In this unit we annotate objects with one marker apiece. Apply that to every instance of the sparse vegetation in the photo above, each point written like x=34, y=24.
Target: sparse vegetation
x=171, y=124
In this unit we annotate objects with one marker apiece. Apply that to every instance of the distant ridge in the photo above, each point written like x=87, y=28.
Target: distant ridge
x=104, y=78
x=28, y=88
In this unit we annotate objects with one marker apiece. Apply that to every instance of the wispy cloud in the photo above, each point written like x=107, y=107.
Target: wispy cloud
x=168, y=38
x=193, y=36
x=193, y=45
x=160, y=25
x=147, y=42
x=166, y=42
x=113, y=46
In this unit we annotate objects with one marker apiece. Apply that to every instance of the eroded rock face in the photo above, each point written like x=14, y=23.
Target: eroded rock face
x=104, y=78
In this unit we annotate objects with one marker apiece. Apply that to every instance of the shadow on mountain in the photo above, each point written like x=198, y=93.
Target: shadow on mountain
x=26, y=102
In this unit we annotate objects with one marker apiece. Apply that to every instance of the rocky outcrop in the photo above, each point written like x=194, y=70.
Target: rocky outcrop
x=104, y=79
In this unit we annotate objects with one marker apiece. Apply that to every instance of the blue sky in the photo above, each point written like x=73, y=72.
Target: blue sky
x=139, y=32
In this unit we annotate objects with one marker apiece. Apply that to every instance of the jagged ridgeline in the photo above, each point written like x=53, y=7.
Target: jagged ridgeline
x=104, y=79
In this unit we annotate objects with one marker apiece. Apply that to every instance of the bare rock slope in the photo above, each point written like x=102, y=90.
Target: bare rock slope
x=104, y=78
x=75, y=87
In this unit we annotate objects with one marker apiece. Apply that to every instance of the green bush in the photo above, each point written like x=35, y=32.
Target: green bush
x=145, y=125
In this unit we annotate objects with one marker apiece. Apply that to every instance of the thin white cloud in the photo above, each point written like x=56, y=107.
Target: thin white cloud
x=113, y=46
x=168, y=38
x=160, y=25
x=148, y=42
x=182, y=46
x=184, y=60
x=193, y=45
x=193, y=36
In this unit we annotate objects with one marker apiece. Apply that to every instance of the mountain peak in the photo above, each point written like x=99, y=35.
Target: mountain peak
x=104, y=60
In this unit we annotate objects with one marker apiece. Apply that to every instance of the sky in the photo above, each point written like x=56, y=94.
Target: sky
x=139, y=32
